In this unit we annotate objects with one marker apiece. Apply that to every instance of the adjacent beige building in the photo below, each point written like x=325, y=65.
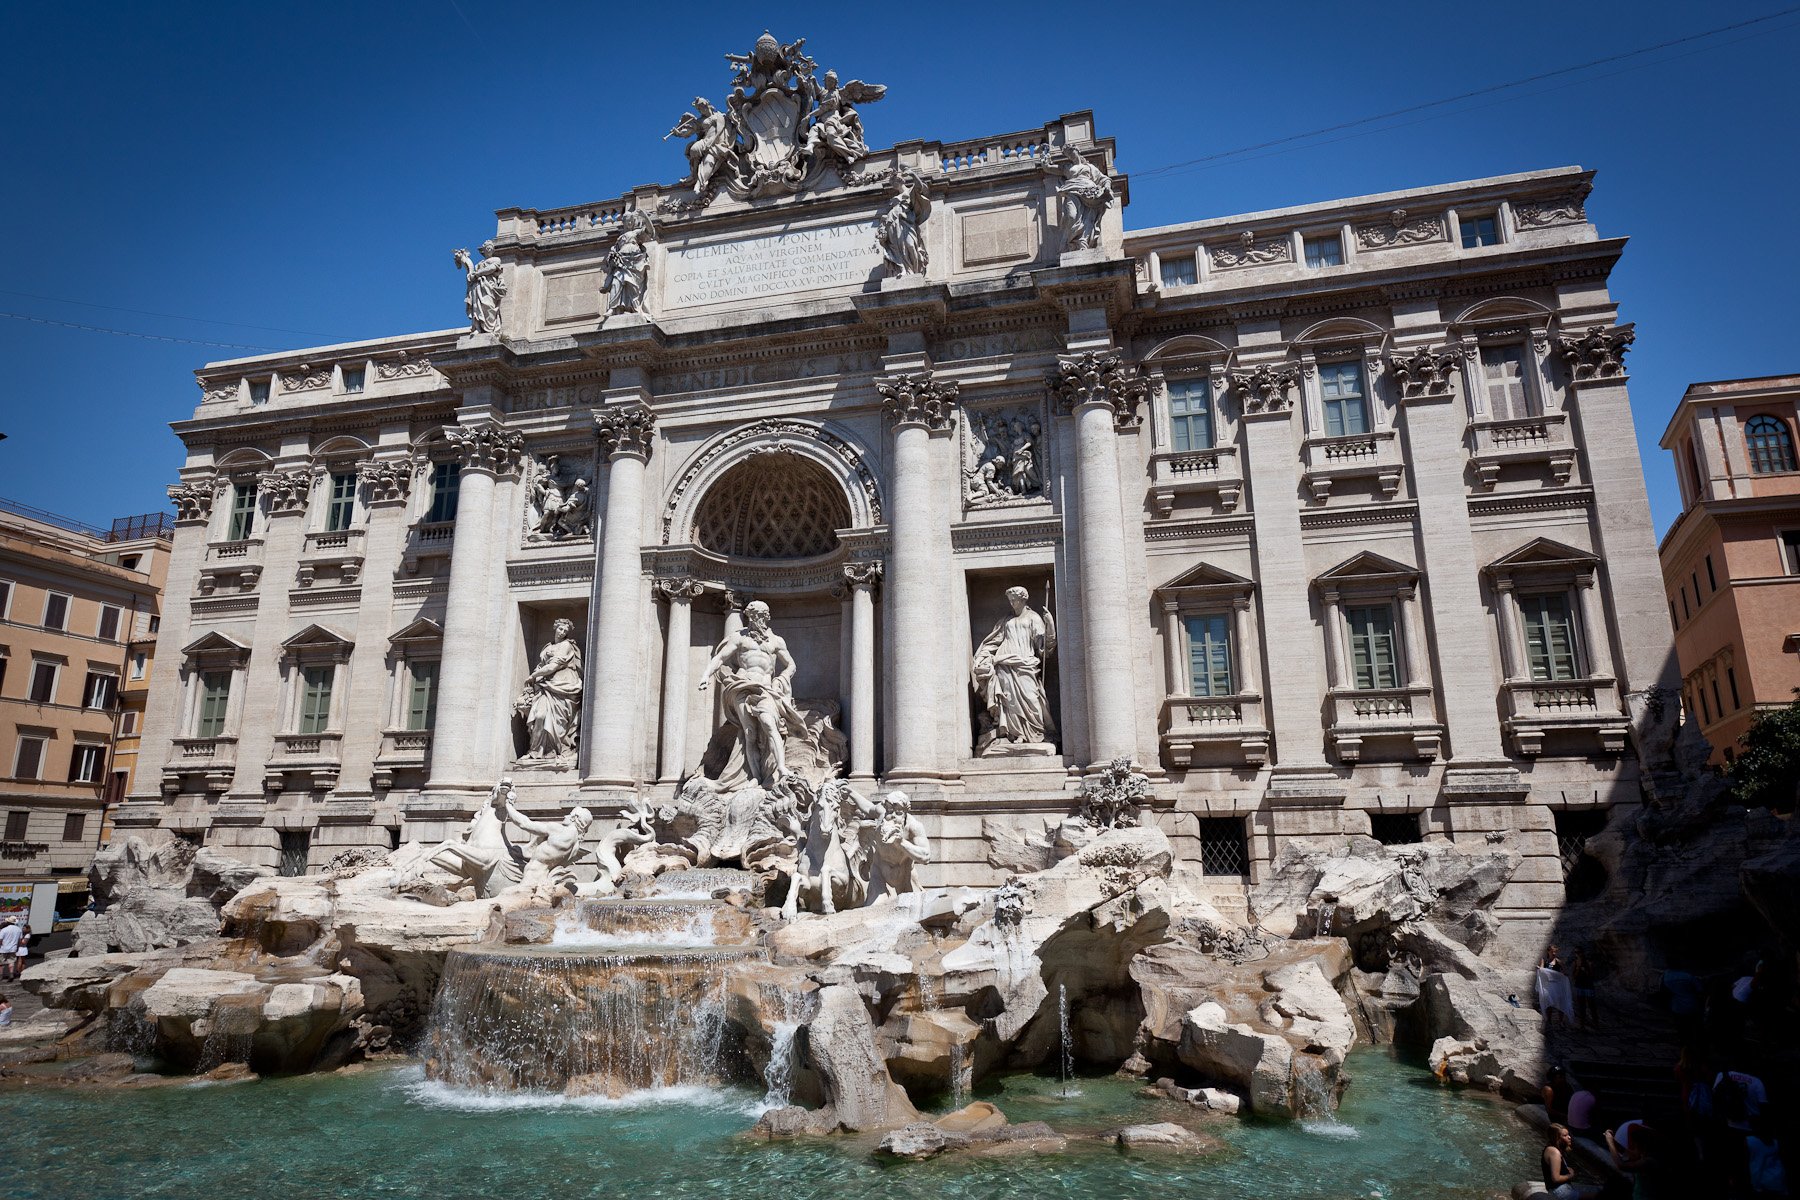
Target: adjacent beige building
x=79, y=612
x=1326, y=505
x=1731, y=561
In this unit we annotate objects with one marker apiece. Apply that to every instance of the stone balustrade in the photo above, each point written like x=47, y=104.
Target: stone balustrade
x=1402, y=714
x=1586, y=707
x=1328, y=460
x=1233, y=726
x=1540, y=439
x=1175, y=472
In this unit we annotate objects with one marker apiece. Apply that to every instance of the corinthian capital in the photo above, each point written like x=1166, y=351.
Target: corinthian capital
x=486, y=447
x=1265, y=388
x=918, y=400
x=287, y=491
x=862, y=574
x=677, y=589
x=1424, y=372
x=1094, y=378
x=1597, y=354
x=626, y=429
x=387, y=481
x=194, y=500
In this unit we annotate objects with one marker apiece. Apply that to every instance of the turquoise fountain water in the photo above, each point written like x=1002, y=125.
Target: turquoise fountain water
x=393, y=1133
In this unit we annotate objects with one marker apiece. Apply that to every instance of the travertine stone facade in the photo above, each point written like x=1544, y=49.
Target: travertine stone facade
x=1316, y=541
x=1731, y=561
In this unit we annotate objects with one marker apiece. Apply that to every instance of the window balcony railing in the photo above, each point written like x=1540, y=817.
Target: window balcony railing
x=1233, y=724
x=312, y=757
x=211, y=761
x=231, y=564
x=427, y=539
x=401, y=750
x=1326, y=460
x=335, y=549
x=1540, y=439
x=1587, y=707
x=1398, y=714
x=1174, y=472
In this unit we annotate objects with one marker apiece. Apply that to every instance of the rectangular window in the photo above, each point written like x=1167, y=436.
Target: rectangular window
x=28, y=760
x=421, y=697
x=100, y=690
x=18, y=824
x=1731, y=682
x=315, y=697
x=343, y=502
x=1374, y=661
x=1705, y=712
x=1504, y=369
x=1718, y=704
x=139, y=663
x=1549, y=637
x=6, y=590
x=296, y=848
x=85, y=761
x=259, y=391
x=1674, y=622
x=1346, y=405
x=1224, y=850
x=215, y=695
x=1695, y=578
x=109, y=623
x=1394, y=829
x=1686, y=612
x=1479, y=229
x=1325, y=251
x=445, y=479
x=115, y=791
x=1209, y=654
x=1790, y=551
x=56, y=611
x=353, y=380
x=74, y=825
x=1179, y=271
x=1190, y=414
x=127, y=724
x=43, y=683
x=243, y=511
x=1712, y=581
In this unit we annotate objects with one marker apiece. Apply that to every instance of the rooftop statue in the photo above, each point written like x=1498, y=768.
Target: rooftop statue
x=628, y=267
x=486, y=288
x=1087, y=193
x=781, y=127
x=901, y=234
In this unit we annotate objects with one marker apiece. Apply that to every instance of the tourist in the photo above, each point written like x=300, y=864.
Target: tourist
x=1581, y=979
x=1630, y=1146
x=1767, y=1173
x=24, y=951
x=5, y=1012
x=1559, y=1172
x=1557, y=1091
x=1552, y=960
x=10, y=940
x=1738, y=1098
x=1582, y=1104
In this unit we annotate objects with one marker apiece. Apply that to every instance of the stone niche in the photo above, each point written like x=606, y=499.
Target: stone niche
x=987, y=606
x=537, y=622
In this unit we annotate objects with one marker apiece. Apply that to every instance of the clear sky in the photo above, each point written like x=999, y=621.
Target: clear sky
x=280, y=175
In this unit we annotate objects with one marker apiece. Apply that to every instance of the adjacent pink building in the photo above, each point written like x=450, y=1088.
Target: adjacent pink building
x=1731, y=562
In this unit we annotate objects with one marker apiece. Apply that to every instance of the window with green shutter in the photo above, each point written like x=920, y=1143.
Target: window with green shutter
x=215, y=694
x=1549, y=637
x=1374, y=657
x=343, y=502
x=421, y=706
x=243, y=511
x=446, y=480
x=1190, y=414
x=1209, y=655
x=1345, y=401
x=315, y=697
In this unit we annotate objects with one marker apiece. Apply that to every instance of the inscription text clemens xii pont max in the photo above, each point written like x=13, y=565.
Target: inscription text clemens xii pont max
x=801, y=260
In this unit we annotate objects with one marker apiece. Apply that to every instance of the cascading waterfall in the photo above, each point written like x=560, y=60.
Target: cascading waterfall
x=1326, y=914
x=929, y=1001
x=778, y=1076
x=1068, y=1045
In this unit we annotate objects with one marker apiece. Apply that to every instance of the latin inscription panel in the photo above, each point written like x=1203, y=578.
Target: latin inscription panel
x=754, y=268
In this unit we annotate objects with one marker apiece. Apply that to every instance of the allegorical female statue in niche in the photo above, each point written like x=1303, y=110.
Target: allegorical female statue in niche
x=1009, y=677
x=550, y=702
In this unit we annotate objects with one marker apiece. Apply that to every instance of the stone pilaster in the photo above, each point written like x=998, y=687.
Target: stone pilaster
x=369, y=708
x=1103, y=393
x=1467, y=682
x=862, y=578
x=283, y=497
x=679, y=595
x=627, y=433
x=917, y=406
x=486, y=451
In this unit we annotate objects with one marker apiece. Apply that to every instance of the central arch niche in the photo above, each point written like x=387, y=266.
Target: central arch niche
x=773, y=506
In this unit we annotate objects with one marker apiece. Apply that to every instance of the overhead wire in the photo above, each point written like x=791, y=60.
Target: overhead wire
x=149, y=337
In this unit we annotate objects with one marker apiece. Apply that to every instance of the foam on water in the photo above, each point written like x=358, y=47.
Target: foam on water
x=1331, y=1129
x=434, y=1093
x=695, y=930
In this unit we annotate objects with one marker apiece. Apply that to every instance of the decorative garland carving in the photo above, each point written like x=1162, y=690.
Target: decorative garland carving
x=1265, y=388
x=219, y=394
x=287, y=491
x=1095, y=378
x=305, y=378
x=918, y=399
x=1252, y=252
x=387, y=481
x=403, y=367
x=1425, y=372
x=1597, y=354
x=626, y=429
x=1400, y=231
x=486, y=447
x=1564, y=209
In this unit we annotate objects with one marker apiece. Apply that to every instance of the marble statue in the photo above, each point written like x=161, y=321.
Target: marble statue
x=482, y=858
x=713, y=147
x=560, y=504
x=1006, y=467
x=900, y=845
x=1008, y=677
x=836, y=127
x=1087, y=193
x=635, y=826
x=551, y=857
x=831, y=868
x=486, y=288
x=755, y=673
x=901, y=233
x=550, y=702
x=628, y=267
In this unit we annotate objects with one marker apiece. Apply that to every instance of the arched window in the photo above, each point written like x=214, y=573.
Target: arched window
x=1770, y=444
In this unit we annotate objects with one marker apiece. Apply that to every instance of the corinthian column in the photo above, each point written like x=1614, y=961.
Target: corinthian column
x=862, y=578
x=1103, y=392
x=918, y=406
x=486, y=451
x=679, y=594
x=626, y=432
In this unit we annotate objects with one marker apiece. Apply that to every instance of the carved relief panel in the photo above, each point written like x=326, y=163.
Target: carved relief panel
x=1005, y=455
x=558, y=499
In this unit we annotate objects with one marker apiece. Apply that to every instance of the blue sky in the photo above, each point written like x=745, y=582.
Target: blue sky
x=276, y=176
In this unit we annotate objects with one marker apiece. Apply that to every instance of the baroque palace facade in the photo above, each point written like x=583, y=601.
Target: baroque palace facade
x=1328, y=518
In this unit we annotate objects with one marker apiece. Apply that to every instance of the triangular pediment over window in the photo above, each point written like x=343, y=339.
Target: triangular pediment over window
x=421, y=633
x=315, y=635
x=215, y=643
x=1204, y=579
x=1367, y=568
x=1543, y=554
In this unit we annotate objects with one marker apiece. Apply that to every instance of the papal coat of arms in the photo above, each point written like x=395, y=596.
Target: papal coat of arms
x=782, y=127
